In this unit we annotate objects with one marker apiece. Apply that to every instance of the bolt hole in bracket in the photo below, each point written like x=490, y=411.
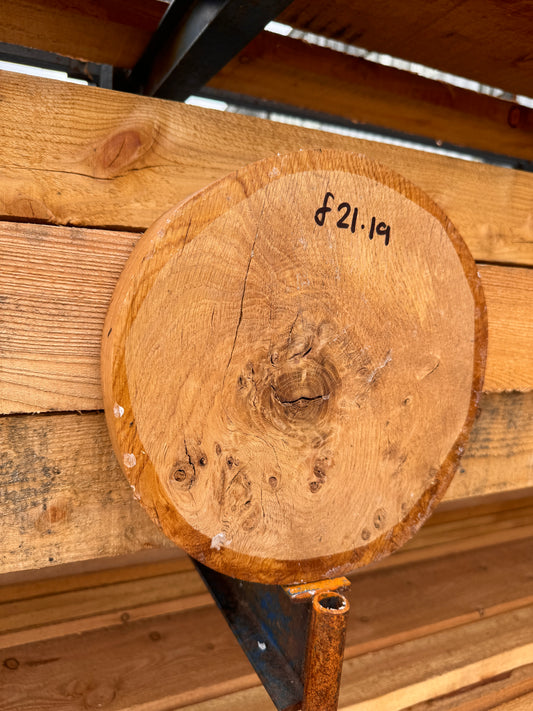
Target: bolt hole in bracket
x=291, y=366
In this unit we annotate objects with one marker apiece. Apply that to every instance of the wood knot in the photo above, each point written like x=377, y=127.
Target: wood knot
x=380, y=517
x=291, y=388
x=320, y=467
x=183, y=474
x=53, y=516
x=301, y=390
x=117, y=153
x=239, y=503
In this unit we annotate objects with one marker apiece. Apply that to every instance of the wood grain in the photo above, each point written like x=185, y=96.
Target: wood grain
x=56, y=285
x=46, y=609
x=400, y=676
x=300, y=363
x=115, y=32
x=86, y=156
x=133, y=666
x=428, y=601
x=512, y=307
x=295, y=73
x=103, y=573
x=486, y=695
x=511, y=687
x=451, y=531
x=166, y=661
x=397, y=678
x=55, y=288
x=485, y=41
x=500, y=448
x=521, y=703
x=65, y=499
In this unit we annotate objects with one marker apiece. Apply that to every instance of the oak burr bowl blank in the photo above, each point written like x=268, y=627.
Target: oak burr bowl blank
x=291, y=366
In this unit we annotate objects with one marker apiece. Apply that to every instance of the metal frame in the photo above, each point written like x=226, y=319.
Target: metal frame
x=194, y=42
x=293, y=636
x=96, y=74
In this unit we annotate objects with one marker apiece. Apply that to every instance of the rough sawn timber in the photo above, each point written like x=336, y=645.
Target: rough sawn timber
x=126, y=615
x=115, y=32
x=86, y=156
x=115, y=668
x=65, y=499
x=56, y=286
x=486, y=41
x=298, y=74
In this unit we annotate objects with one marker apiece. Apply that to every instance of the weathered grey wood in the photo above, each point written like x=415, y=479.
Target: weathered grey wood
x=63, y=497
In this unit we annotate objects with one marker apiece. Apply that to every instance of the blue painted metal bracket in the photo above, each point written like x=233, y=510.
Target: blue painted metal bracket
x=271, y=627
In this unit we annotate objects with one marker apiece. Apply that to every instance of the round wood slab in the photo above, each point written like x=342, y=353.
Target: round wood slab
x=291, y=366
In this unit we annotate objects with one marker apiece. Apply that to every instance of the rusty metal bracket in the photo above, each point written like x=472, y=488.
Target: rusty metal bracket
x=293, y=636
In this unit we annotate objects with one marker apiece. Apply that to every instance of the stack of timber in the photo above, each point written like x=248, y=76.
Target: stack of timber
x=441, y=633
x=444, y=624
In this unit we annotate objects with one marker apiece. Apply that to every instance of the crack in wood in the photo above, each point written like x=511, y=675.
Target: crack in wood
x=299, y=399
x=244, y=292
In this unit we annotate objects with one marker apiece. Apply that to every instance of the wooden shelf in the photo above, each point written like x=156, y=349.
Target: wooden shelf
x=447, y=630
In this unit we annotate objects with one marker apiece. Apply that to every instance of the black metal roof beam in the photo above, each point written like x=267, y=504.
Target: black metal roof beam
x=193, y=43
x=99, y=74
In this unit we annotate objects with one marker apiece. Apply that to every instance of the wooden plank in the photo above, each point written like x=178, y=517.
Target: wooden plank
x=501, y=687
x=522, y=703
x=506, y=688
x=133, y=666
x=295, y=73
x=72, y=604
x=488, y=42
x=400, y=676
x=115, y=32
x=485, y=695
x=85, y=156
x=95, y=574
x=142, y=665
x=428, y=601
x=56, y=285
x=396, y=678
x=500, y=448
x=509, y=309
x=35, y=611
x=63, y=627
x=65, y=499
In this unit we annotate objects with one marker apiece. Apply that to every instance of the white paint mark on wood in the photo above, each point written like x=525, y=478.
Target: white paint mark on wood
x=380, y=367
x=130, y=460
x=219, y=540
